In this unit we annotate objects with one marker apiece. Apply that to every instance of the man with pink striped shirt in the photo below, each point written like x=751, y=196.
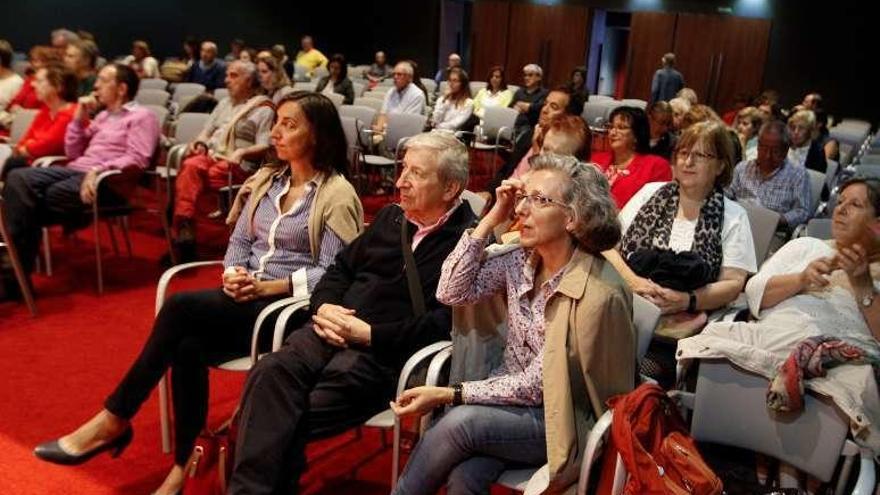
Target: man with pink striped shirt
x=122, y=135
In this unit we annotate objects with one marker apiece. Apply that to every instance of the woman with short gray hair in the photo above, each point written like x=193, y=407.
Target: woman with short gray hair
x=554, y=287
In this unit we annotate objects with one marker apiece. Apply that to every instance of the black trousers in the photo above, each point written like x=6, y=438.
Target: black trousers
x=192, y=331
x=36, y=197
x=308, y=389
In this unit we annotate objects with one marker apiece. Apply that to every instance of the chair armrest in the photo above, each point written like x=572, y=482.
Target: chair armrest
x=288, y=305
x=432, y=378
x=122, y=181
x=170, y=273
x=416, y=359
x=595, y=440
x=867, y=475
x=45, y=161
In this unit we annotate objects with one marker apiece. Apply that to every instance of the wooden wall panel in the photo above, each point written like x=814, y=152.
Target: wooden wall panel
x=526, y=39
x=696, y=46
x=489, y=22
x=744, y=45
x=651, y=36
x=568, y=39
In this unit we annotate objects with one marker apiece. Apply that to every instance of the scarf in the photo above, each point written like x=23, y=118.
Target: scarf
x=652, y=227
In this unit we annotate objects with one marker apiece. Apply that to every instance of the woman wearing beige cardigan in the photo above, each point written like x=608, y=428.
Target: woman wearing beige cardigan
x=299, y=214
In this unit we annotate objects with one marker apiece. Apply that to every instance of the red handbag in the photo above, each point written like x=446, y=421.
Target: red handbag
x=210, y=465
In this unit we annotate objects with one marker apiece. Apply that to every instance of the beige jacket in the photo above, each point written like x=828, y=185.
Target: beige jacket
x=336, y=205
x=589, y=356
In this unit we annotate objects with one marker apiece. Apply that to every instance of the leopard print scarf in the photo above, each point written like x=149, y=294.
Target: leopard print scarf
x=652, y=226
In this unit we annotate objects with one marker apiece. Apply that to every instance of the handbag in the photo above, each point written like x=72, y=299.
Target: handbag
x=209, y=467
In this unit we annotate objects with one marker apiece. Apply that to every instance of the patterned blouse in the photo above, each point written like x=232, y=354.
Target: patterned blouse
x=468, y=277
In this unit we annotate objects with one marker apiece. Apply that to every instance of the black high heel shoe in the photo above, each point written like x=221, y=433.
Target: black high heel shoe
x=52, y=452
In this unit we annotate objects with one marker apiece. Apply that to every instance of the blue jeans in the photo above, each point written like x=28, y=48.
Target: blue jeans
x=470, y=446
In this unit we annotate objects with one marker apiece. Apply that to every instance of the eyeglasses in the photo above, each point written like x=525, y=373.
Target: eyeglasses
x=538, y=200
x=401, y=74
x=696, y=156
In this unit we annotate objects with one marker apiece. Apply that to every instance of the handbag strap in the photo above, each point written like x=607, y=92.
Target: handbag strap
x=412, y=276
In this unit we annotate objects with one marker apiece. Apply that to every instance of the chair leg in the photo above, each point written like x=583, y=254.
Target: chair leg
x=112, y=236
x=96, y=224
x=164, y=415
x=47, y=251
x=126, y=236
x=20, y=276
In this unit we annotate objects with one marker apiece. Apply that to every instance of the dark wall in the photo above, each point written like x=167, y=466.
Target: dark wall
x=404, y=29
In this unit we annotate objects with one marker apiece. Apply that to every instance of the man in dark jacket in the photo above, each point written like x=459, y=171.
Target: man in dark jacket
x=209, y=71
x=667, y=81
x=341, y=368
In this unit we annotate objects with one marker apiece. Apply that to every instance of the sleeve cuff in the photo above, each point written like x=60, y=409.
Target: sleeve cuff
x=300, y=283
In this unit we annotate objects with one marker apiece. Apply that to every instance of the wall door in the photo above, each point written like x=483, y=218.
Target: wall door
x=651, y=36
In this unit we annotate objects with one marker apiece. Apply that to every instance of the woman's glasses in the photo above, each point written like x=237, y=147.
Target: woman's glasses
x=537, y=200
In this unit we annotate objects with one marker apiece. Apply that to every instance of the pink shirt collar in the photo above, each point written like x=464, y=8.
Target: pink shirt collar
x=424, y=230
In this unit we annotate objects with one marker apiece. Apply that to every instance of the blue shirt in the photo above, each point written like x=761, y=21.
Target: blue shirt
x=785, y=191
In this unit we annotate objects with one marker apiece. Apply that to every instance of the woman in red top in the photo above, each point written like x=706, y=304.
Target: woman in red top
x=40, y=56
x=628, y=166
x=56, y=89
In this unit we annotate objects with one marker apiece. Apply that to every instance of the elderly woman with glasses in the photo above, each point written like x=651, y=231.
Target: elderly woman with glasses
x=805, y=149
x=557, y=302
x=629, y=166
x=686, y=247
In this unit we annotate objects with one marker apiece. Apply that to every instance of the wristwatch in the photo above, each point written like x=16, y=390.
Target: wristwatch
x=868, y=299
x=692, y=301
x=456, y=395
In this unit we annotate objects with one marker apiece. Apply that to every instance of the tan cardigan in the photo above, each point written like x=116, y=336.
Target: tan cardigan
x=336, y=205
x=589, y=356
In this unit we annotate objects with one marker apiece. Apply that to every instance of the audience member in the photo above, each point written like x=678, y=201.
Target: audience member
x=39, y=57
x=680, y=108
x=61, y=38
x=235, y=48
x=341, y=368
x=740, y=101
x=578, y=83
x=273, y=79
x=772, y=180
x=495, y=94
x=528, y=101
x=690, y=95
x=280, y=53
x=191, y=51
x=248, y=54
x=124, y=134
x=309, y=57
x=813, y=292
x=498, y=423
x=698, y=113
x=231, y=144
x=56, y=90
x=209, y=71
x=561, y=134
x=812, y=101
x=805, y=150
x=662, y=140
x=404, y=97
x=379, y=70
x=686, y=247
x=442, y=74
x=10, y=82
x=453, y=110
x=748, y=121
x=667, y=81
x=141, y=61
x=337, y=80
x=81, y=57
x=292, y=219
x=629, y=165
x=829, y=145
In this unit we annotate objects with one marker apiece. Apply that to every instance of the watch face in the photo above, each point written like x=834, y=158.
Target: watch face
x=867, y=300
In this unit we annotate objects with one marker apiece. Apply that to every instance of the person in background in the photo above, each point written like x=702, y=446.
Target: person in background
x=235, y=48
x=309, y=56
x=80, y=57
x=629, y=166
x=55, y=87
x=578, y=83
x=273, y=79
x=528, y=101
x=141, y=61
x=662, y=138
x=454, y=109
x=209, y=71
x=404, y=97
x=740, y=101
x=10, y=82
x=248, y=54
x=379, y=70
x=690, y=95
x=495, y=94
x=805, y=150
x=772, y=180
x=830, y=146
x=39, y=57
x=748, y=121
x=62, y=37
x=337, y=80
x=667, y=81
x=680, y=108
x=454, y=61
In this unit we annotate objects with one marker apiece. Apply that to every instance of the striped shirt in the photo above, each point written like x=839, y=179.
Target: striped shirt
x=786, y=191
x=278, y=244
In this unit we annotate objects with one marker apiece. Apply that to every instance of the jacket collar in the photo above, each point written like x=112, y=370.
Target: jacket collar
x=574, y=280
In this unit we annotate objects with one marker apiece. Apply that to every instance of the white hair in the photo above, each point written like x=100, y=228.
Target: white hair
x=406, y=66
x=210, y=45
x=534, y=68
x=450, y=154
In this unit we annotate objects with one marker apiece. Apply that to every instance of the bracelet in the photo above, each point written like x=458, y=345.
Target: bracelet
x=692, y=302
x=456, y=395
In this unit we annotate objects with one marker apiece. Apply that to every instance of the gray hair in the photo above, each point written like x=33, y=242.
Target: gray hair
x=67, y=34
x=250, y=71
x=450, y=154
x=779, y=127
x=587, y=193
x=209, y=45
x=535, y=68
x=406, y=66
